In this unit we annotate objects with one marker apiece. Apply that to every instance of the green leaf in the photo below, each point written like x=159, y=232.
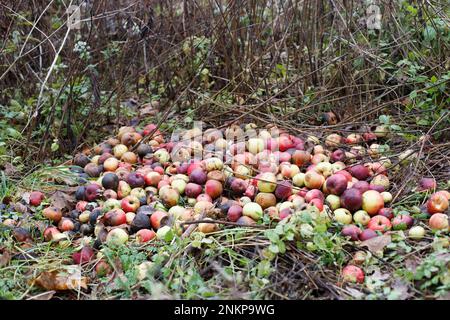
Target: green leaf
x=384, y=119
x=13, y=133
x=413, y=94
x=429, y=33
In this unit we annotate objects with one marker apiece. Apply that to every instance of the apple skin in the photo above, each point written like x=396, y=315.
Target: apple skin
x=314, y=180
x=359, y=171
x=353, y=274
x=416, y=232
x=336, y=184
x=333, y=201
x=252, y=210
x=386, y=212
x=372, y=202
x=437, y=203
x=136, y=180
x=379, y=223
x=158, y=219
x=367, y=234
x=267, y=182
x=402, y=222
x=343, y=216
x=198, y=176
x=427, y=184
x=115, y=217
x=265, y=199
x=85, y=255
x=117, y=237
x=439, y=221
x=318, y=203
x=36, y=198
x=130, y=204
x=193, y=190
x=338, y=155
x=351, y=231
x=49, y=232
x=361, y=217
x=152, y=178
x=301, y=158
x=52, y=213
x=234, y=213
x=92, y=192
x=314, y=194
x=213, y=188
x=145, y=235
x=283, y=190
x=351, y=199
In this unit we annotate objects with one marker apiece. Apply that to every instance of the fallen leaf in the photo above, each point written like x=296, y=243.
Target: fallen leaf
x=377, y=244
x=67, y=278
x=147, y=110
x=26, y=197
x=4, y=258
x=61, y=200
x=399, y=290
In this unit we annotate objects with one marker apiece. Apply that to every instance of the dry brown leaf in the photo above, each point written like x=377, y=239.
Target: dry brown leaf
x=5, y=258
x=147, y=110
x=61, y=200
x=377, y=244
x=68, y=278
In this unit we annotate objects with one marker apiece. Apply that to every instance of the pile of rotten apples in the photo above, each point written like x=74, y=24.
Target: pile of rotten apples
x=141, y=185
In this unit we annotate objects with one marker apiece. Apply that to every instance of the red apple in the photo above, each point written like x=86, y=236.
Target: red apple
x=427, y=184
x=439, y=221
x=301, y=158
x=234, y=213
x=283, y=190
x=145, y=235
x=192, y=190
x=203, y=197
x=136, y=180
x=130, y=204
x=158, y=219
x=115, y=217
x=351, y=231
x=36, y=198
x=336, y=184
x=52, y=213
x=92, y=192
x=437, y=203
x=351, y=199
x=314, y=194
x=85, y=255
x=367, y=234
x=338, y=155
x=402, y=222
x=213, y=188
x=353, y=274
x=318, y=203
x=379, y=223
x=386, y=212
x=362, y=186
x=49, y=232
x=198, y=176
x=359, y=171
x=65, y=224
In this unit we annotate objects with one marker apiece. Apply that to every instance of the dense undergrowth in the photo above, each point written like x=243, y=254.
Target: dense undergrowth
x=176, y=62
